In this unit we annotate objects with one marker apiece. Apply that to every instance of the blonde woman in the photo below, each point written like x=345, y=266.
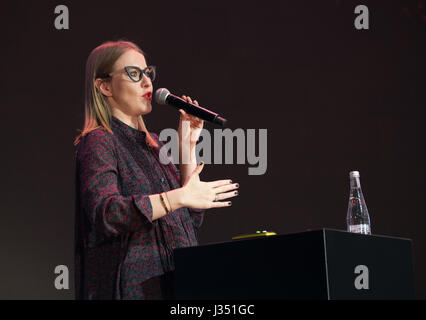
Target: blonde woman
x=131, y=210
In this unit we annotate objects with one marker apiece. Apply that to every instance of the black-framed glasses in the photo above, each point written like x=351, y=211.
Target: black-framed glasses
x=136, y=74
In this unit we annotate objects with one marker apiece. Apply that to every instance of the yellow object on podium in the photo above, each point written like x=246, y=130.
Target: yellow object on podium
x=263, y=233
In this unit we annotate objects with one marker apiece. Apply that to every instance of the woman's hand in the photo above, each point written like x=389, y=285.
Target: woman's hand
x=205, y=195
x=196, y=124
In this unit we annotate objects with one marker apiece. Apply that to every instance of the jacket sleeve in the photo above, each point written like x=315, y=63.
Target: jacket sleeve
x=108, y=212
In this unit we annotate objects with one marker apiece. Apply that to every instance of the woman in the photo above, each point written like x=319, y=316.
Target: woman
x=132, y=210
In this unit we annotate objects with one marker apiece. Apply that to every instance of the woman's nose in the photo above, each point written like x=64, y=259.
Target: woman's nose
x=146, y=81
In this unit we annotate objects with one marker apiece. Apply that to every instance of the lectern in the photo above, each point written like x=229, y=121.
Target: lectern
x=320, y=264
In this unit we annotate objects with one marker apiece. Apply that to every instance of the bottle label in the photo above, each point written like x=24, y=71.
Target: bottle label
x=360, y=228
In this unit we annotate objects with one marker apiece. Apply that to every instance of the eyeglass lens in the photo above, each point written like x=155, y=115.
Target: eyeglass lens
x=136, y=73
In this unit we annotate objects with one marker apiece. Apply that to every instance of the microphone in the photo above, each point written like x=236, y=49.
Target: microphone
x=163, y=96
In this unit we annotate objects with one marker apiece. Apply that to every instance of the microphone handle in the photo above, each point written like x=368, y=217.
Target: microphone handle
x=195, y=110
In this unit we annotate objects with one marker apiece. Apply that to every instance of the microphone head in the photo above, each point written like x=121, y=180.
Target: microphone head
x=161, y=95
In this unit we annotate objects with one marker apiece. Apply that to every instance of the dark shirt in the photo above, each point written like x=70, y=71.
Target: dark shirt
x=120, y=253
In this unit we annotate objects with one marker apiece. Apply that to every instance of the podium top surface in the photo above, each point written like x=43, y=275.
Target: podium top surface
x=307, y=233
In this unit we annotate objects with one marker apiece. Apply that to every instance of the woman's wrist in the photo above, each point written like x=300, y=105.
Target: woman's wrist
x=176, y=198
x=187, y=164
x=187, y=155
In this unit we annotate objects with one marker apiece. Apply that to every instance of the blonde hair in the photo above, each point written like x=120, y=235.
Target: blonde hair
x=97, y=109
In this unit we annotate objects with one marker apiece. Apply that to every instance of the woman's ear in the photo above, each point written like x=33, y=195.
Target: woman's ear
x=104, y=87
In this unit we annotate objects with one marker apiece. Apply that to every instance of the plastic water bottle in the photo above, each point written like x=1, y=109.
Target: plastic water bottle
x=357, y=218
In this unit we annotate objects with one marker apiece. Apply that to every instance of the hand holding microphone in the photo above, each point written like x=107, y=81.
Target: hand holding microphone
x=195, y=124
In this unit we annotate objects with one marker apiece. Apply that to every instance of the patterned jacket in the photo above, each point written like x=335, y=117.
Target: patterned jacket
x=118, y=248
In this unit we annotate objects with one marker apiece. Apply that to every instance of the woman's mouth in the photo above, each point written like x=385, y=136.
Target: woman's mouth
x=147, y=95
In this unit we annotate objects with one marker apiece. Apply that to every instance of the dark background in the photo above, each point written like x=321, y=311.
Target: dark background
x=334, y=99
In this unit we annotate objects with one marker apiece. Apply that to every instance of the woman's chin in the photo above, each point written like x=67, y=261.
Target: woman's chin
x=146, y=109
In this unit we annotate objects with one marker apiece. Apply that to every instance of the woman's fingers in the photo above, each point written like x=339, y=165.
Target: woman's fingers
x=226, y=188
x=227, y=195
x=218, y=183
x=187, y=98
x=218, y=192
x=221, y=204
x=194, y=120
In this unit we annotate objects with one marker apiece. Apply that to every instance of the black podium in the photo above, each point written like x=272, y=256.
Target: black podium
x=321, y=264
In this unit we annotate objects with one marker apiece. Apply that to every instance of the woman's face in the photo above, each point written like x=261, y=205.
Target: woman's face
x=132, y=98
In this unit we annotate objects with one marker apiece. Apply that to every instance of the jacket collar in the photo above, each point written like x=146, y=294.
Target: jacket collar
x=123, y=129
